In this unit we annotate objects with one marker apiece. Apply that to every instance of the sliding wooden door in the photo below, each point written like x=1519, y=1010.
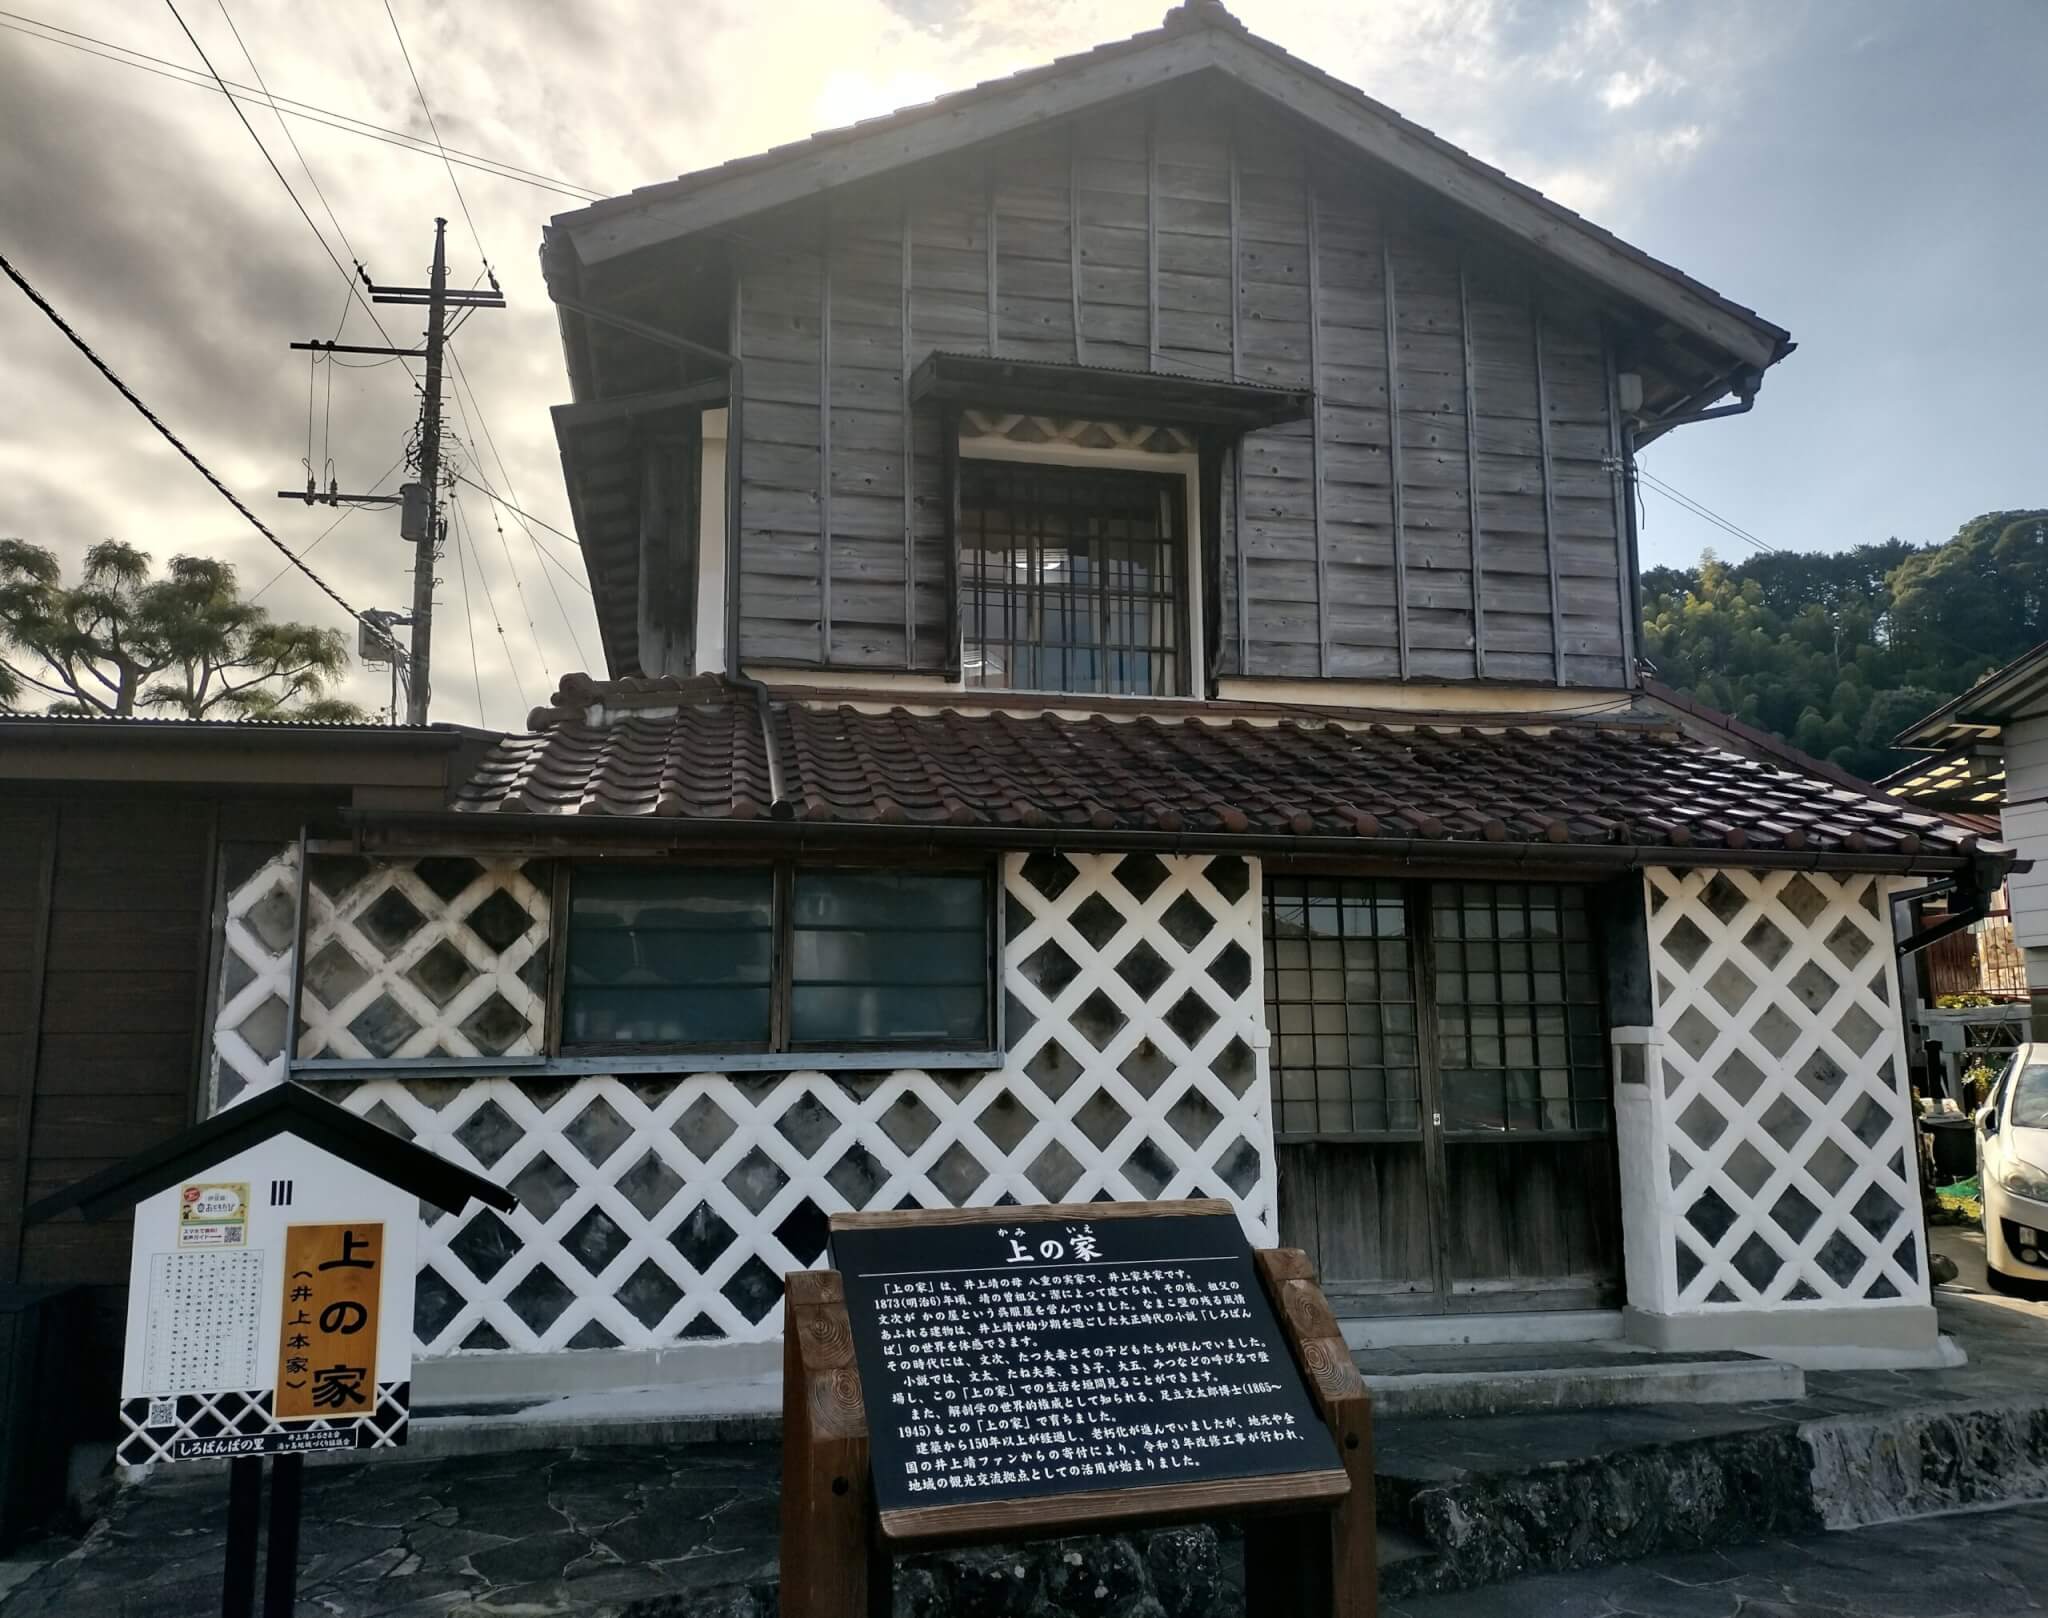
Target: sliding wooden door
x=1440, y=1091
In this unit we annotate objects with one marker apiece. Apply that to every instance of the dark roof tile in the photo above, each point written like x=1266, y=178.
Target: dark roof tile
x=693, y=750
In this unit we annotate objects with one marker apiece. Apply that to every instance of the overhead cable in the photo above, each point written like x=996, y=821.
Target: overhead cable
x=178, y=444
x=345, y=123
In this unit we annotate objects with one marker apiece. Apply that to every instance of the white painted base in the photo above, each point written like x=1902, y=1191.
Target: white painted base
x=1533, y=1326
x=1888, y=1338
x=720, y=1371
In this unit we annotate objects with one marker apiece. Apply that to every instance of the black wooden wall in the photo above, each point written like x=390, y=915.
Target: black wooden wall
x=1451, y=512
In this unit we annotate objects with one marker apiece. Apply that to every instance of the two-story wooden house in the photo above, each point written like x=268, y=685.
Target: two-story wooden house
x=1118, y=588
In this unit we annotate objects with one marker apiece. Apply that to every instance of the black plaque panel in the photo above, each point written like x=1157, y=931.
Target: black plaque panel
x=1041, y=1357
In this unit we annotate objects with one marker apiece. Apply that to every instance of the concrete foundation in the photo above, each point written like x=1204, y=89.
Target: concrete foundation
x=1891, y=1337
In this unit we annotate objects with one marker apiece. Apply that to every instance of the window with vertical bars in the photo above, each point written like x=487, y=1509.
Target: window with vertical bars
x=1340, y=1003
x=1519, y=1039
x=1518, y=1008
x=1072, y=579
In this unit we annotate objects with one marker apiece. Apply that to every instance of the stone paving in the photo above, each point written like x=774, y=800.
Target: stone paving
x=653, y=1532
x=1975, y=1565
x=587, y=1532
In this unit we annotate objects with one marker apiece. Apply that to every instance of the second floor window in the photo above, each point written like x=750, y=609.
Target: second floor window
x=766, y=958
x=1073, y=579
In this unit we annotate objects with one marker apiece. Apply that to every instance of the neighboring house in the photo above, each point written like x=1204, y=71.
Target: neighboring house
x=118, y=840
x=1118, y=589
x=1988, y=757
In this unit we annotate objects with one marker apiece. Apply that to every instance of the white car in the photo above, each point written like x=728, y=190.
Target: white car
x=2013, y=1170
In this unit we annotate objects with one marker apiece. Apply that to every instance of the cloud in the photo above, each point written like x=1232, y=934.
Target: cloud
x=1625, y=88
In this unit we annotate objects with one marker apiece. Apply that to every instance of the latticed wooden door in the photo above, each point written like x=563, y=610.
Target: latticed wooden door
x=1441, y=1107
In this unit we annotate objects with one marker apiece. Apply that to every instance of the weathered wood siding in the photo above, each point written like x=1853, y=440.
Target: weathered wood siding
x=1449, y=513
x=100, y=998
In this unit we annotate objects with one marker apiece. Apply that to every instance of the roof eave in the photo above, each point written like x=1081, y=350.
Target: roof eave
x=685, y=207
x=453, y=827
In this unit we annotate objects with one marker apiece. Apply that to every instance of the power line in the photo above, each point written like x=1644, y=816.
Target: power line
x=178, y=444
x=469, y=628
x=460, y=528
x=294, y=142
x=435, y=129
x=349, y=280
x=308, y=548
x=327, y=117
x=475, y=404
x=527, y=515
x=1680, y=498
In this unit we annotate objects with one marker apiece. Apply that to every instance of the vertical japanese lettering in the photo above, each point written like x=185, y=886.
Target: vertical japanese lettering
x=327, y=1339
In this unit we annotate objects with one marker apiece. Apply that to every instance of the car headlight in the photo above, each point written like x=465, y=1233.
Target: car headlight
x=2024, y=1180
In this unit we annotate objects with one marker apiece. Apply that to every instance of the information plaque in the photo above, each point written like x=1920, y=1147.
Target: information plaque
x=1041, y=1356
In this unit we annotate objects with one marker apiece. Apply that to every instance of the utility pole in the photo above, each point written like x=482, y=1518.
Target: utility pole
x=428, y=531
x=428, y=545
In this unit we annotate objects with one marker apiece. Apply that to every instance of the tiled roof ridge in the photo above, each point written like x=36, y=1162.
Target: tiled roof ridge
x=578, y=695
x=694, y=748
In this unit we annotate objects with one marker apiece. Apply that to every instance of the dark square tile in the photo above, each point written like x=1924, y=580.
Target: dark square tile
x=390, y=920
x=500, y=921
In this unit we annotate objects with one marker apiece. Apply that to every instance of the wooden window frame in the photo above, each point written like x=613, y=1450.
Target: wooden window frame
x=1197, y=608
x=784, y=872
x=1419, y=904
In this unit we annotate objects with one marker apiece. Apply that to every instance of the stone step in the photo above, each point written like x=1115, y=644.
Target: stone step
x=1495, y=1380
x=1491, y=1499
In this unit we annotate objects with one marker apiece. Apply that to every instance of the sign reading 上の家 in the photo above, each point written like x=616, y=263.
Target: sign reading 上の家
x=327, y=1333
x=1025, y=1357
x=288, y=1337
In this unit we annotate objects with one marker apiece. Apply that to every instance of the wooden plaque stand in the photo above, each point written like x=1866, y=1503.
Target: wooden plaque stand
x=1314, y=1554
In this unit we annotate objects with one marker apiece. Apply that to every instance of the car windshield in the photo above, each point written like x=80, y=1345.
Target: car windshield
x=2030, y=1099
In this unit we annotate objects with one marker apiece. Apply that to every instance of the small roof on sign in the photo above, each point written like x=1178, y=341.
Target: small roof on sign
x=289, y=1109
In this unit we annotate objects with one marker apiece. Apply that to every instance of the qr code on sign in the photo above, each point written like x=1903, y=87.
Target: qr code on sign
x=162, y=1413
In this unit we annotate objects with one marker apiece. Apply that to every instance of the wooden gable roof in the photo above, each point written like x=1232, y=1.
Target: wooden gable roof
x=1197, y=37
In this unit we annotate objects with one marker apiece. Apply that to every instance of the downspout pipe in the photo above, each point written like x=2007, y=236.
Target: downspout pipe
x=1974, y=888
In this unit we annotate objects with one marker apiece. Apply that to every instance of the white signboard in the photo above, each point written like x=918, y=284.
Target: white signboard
x=269, y=1309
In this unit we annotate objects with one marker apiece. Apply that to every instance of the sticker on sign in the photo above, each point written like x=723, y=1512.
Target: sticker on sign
x=213, y=1214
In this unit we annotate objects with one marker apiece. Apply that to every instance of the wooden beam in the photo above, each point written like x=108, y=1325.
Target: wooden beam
x=625, y=406
x=1625, y=558
x=825, y=440
x=1549, y=502
x=949, y=450
x=31, y=1047
x=1315, y=383
x=1243, y=603
x=1394, y=443
x=988, y=231
x=735, y=473
x=1236, y=257
x=1074, y=237
x=909, y=448
x=1350, y=1546
x=1151, y=236
x=917, y=1528
x=207, y=951
x=1244, y=639
x=827, y=1476
x=1472, y=474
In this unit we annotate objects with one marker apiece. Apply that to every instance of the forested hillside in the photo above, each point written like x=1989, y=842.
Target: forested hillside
x=1837, y=651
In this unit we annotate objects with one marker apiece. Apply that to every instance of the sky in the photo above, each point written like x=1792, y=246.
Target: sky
x=1867, y=173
